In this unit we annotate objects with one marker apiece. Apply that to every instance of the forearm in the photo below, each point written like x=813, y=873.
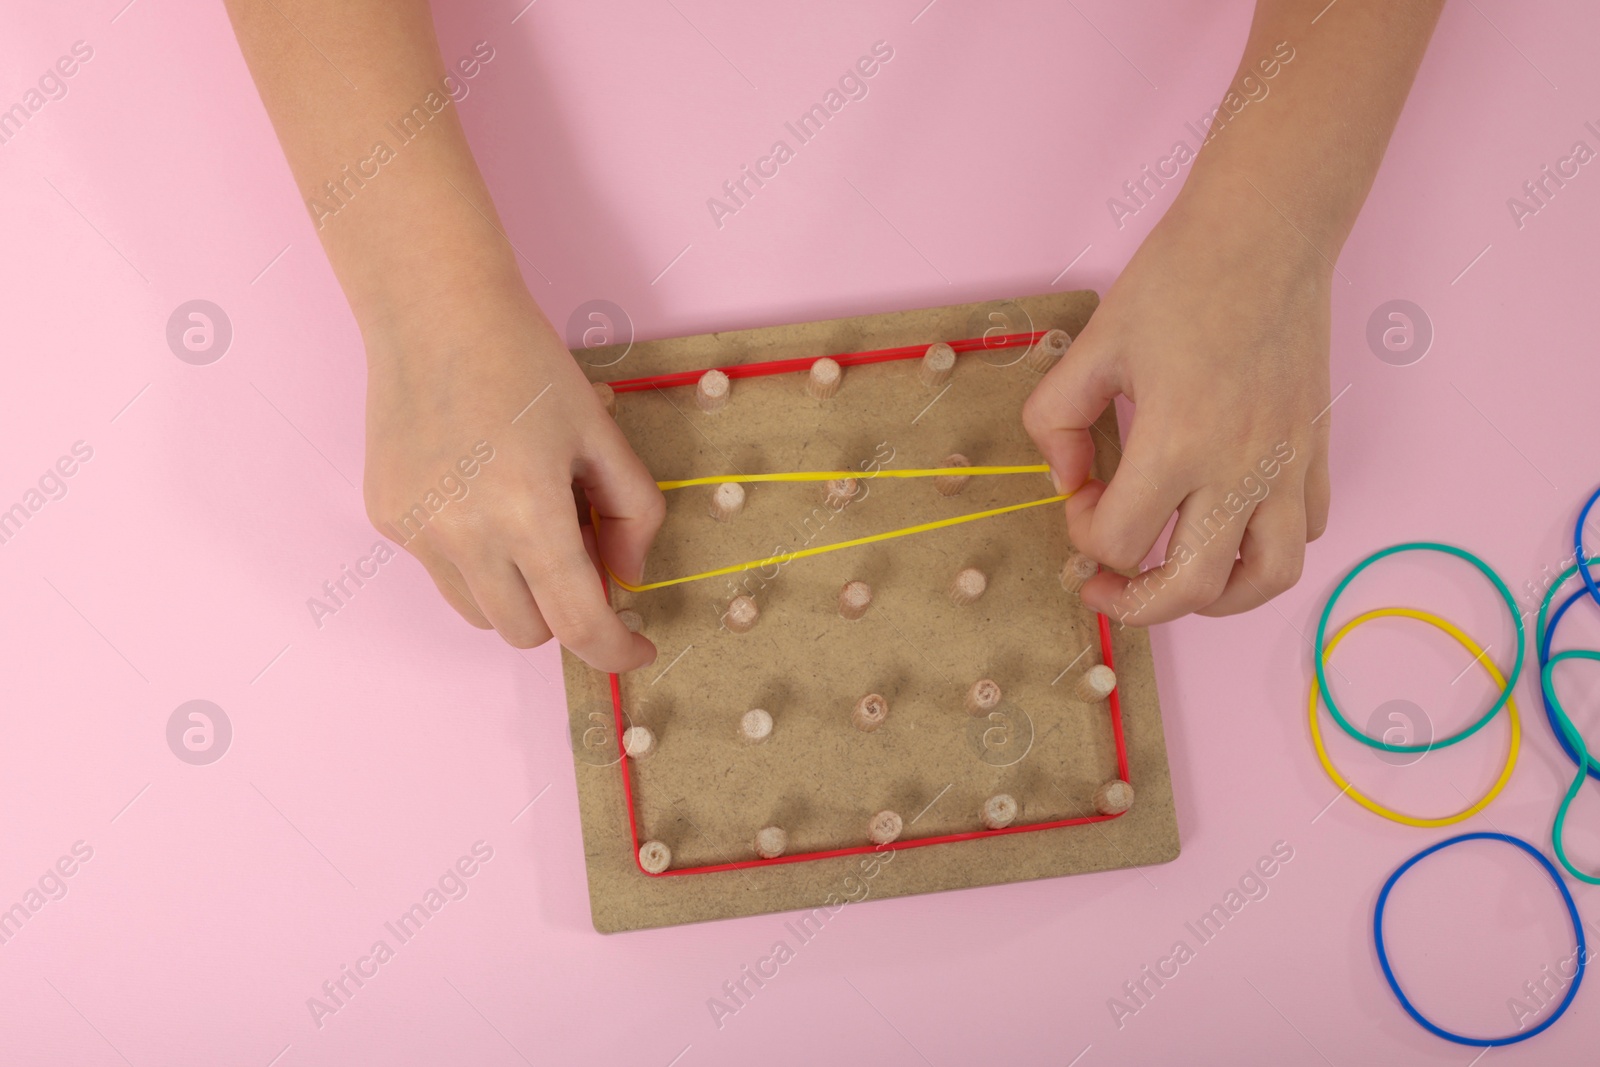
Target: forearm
x=1310, y=131
x=357, y=93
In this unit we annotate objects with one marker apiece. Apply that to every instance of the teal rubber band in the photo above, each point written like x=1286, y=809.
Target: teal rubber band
x=1322, y=639
x=1585, y=760
x=1543, y=633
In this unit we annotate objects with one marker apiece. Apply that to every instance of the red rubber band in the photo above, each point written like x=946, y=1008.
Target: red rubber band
x=849, y=359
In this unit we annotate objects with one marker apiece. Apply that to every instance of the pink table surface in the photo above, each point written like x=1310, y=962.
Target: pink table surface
x=371, y=752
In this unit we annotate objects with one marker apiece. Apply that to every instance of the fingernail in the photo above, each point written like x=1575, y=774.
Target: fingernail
x=1055, y=479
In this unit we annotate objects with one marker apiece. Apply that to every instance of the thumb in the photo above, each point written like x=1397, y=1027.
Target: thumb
x=1061, y=412
x=630, y=506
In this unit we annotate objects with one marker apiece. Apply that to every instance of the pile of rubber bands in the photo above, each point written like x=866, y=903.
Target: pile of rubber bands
x=1567, y=735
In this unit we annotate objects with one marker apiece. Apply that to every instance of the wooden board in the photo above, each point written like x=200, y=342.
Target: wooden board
x=704, y=792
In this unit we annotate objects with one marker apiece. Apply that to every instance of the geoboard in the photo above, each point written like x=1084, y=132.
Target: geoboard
x=702, y=789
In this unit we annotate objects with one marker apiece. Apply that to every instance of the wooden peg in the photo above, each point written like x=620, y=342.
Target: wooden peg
x=741, y=615
x=632, y=620
x=951, y=484
x=771, y=842
x=1047, y=350
x=608, y=397
x=655, y=857
x=838, y=492
x=638, y=742
x=884, y=827
x=727, y=500
x=968, y=586
x=1077, y=570
x=823, y=381
x=755, y=726
x=938, y=363
x=712, y=392
x=983, y=697
x=1095, y=684
x=869, y=713
x=854, y=600
x=1113, y=798
x=999, y=811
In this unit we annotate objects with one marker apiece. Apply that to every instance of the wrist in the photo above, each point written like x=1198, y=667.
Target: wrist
x=437, y=301
x=1263, y=198
x=1250, y=230
x=462, y=322
x=424, y=253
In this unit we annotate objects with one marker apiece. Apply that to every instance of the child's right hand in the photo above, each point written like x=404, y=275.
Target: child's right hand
x=1218, y=330
x=504, y=546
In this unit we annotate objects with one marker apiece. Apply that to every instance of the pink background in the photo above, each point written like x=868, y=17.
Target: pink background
x=370, y=753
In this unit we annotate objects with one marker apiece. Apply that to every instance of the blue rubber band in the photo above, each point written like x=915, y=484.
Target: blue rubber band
x=1581, y=566
x=1388, y=972
x=1566, y=732
x=1579, y=555
x=1545, y=641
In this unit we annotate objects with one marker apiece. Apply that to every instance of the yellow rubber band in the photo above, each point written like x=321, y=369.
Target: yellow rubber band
x=828, y=476
x=820, y=476
x=1494, y=674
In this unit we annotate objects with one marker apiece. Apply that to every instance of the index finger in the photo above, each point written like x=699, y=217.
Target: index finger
x=567, y=586
x=1117, y=524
